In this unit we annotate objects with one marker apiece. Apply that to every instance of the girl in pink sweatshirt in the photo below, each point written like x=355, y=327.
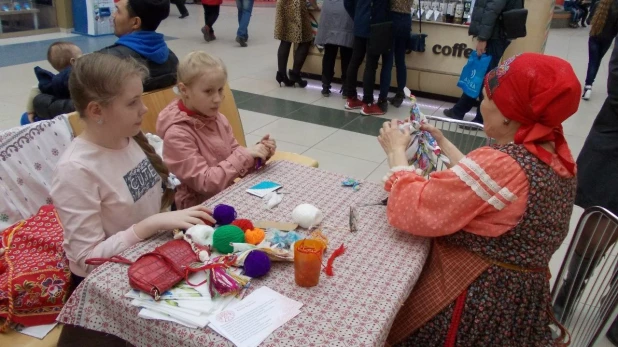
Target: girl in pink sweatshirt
x=110, y=186
x=198, y=144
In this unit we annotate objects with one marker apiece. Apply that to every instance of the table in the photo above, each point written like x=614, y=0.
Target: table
x=355, y=307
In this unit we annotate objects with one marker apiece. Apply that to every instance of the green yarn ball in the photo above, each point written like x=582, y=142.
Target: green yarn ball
x=226, y=234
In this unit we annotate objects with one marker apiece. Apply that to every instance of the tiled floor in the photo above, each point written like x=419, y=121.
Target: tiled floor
x=301, y=120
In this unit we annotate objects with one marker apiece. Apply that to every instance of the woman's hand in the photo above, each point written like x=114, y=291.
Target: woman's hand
x=395, y=142
x=392, y=139
x=259, y=151
x=183, y=219
x=435, y=132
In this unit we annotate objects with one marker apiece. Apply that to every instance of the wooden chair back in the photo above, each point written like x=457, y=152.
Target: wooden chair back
x=157, y=100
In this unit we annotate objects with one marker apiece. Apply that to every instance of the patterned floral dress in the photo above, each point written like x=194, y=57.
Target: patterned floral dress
x=505, y=307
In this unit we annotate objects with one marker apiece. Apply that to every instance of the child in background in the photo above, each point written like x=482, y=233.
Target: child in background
x=199, y=146
x=61, y=55
x=110, y=186
x=211, y=13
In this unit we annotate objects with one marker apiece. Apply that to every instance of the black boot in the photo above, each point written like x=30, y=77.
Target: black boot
x=295, y=78
x=325, y=90
x=283, y=78
x=397, y=100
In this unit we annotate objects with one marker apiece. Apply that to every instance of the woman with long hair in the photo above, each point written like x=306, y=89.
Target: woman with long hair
x=293, y=25
x=602, y=32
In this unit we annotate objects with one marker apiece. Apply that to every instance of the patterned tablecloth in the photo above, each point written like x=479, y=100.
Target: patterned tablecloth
x=356, y=307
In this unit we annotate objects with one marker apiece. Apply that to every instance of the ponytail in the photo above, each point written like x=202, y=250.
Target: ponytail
x=168, y=194
x=599, y=18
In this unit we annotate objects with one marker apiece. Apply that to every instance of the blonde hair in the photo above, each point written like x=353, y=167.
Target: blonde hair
x=59, y=54
x=600, y=16
x=194, y=64
x=99, y=77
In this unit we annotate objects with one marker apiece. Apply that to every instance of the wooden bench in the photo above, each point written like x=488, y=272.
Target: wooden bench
x=560, y=18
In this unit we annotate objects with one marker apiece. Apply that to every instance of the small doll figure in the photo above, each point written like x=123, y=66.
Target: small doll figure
x=423, y=152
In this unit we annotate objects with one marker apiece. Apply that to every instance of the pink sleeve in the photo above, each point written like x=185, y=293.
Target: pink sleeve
x=240, y=154
x=485, y=194
x=182, y=157
x=76, y=198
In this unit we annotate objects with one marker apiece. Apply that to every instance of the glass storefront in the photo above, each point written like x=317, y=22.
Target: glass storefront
x=27, y=15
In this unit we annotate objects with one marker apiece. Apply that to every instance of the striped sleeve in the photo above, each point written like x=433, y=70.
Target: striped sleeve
x=484, y=194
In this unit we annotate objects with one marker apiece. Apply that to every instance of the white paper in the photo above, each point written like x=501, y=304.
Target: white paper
x=428, y=14
x=149, y=314
x=38, y=331
x=436, y=15
x=251, y=321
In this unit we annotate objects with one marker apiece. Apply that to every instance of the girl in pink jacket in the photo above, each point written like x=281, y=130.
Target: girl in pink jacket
x=199, y=146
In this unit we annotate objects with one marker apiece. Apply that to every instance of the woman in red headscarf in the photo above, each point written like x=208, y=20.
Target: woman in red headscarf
x=496, y=216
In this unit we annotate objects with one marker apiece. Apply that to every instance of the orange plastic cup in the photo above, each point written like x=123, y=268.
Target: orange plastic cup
x=308, y=262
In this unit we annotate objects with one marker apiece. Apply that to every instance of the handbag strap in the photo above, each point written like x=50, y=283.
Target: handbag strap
x=227, y=262
x=113, y=259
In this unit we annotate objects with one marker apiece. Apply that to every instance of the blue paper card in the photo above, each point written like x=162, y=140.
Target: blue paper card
x=263, y=188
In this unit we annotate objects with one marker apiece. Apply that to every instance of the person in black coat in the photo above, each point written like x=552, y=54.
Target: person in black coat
x=486, y=27
x=597, y=173
x=135, y=25
x=365, y=14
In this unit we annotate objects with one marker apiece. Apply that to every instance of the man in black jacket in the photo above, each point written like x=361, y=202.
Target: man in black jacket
x=135, y=22
x=486, y=27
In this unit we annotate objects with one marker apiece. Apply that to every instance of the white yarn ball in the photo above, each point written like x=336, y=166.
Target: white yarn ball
x=201, y=234
x=307, y=216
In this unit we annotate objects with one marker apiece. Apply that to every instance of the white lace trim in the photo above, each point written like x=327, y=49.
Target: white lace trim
x=477, y=188
x=398, y=169
x=487, y=180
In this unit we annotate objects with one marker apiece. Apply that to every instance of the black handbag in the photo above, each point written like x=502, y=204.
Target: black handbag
x=514, y=23
x=416, y=42
x=380, y=38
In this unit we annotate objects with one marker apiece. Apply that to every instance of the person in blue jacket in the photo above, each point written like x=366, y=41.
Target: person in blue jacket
x=135, y=25
x=365, y=13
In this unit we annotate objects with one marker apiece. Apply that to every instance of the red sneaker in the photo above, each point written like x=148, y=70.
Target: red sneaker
x=371, y=110
x=353, y=104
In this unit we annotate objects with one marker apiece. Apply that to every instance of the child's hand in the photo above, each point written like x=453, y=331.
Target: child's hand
x=31, y=117
x=271, y=144
x=183, y=219
x=259, y=151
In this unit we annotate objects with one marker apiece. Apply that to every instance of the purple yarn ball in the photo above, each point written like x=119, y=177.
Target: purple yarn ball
x=257, y=264
x=224, y=214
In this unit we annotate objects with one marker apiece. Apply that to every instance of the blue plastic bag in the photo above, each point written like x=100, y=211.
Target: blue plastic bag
x=473, y=74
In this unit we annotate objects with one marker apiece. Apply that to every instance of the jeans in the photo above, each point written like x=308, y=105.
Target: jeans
x=211, y=13
x=245, y=7
x=402, y=22
x=495, y=48
x=369, y=78
x=181, y=6
x=359, y=49
x=329, y=60
x=572, y=7
x=596, y=51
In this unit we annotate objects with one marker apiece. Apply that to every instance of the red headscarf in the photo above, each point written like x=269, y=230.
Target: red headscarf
x=540, y=92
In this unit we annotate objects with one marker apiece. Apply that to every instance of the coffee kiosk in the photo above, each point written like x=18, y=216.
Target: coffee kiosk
x=448, y=45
